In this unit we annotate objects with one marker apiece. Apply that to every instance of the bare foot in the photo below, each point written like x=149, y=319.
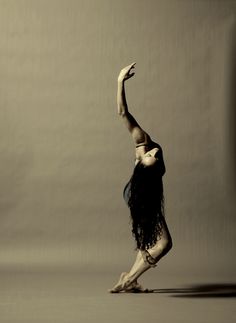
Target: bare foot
x=135, y=287
x=121, y=285
x=124, y=285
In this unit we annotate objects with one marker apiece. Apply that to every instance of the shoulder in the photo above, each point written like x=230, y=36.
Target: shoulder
x=154, y=144
x=148, y=145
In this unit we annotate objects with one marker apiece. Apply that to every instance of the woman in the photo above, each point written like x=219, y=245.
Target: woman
x=144, y=197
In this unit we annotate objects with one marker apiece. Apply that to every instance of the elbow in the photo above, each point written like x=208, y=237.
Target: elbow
x=121, y=113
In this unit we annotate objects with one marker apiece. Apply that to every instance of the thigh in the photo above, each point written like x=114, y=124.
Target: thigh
x=164, y=239
x=165, y=231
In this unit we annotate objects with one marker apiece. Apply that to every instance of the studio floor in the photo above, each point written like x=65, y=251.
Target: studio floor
x=56, y=297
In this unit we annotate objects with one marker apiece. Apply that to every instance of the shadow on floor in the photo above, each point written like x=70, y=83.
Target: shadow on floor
x=200, y=291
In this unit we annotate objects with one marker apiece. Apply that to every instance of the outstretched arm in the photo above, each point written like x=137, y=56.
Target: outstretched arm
x=138, y=134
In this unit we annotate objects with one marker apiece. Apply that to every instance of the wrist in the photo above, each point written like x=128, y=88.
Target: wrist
x=120, y=81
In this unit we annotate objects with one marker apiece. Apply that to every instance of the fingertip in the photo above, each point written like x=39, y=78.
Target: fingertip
x=132, y=65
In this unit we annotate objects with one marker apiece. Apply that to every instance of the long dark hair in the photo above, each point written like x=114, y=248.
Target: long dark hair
x=146, y=203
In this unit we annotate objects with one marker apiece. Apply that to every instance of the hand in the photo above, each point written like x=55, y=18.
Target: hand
x=125, y=73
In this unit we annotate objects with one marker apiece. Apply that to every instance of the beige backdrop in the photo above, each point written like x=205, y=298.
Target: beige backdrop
x=65, y=156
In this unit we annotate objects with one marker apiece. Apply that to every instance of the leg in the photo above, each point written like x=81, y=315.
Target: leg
x=142, y=262
x=161, y=248
x=129, y=286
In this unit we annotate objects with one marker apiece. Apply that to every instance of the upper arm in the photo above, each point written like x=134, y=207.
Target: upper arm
x=138, y=134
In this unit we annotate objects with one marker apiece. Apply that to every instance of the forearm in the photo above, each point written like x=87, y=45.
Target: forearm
x=123, y=111
x=121, y=99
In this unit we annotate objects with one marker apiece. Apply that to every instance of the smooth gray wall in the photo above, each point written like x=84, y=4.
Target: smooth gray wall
x=65, y=156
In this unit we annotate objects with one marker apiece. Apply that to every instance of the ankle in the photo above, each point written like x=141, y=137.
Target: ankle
x=130, y=278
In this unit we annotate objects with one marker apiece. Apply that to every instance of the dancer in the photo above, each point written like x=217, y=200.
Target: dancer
x=144, y=197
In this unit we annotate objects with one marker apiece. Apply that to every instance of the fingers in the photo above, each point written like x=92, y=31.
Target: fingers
x=132, y=66
x=130, y=75
x=126, y=73
x=129, y=67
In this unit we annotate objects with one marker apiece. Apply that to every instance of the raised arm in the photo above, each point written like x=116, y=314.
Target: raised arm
x=138, y=134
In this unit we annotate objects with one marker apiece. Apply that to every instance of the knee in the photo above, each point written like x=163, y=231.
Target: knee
x=160, y=250
x=166, y=245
